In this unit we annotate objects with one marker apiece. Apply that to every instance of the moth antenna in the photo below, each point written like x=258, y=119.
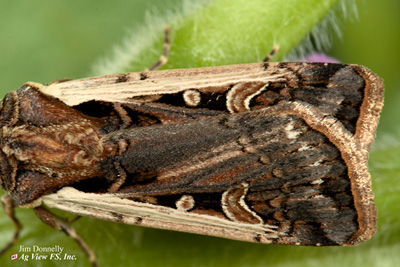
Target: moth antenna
x=58, y=223
x=166, y=47
x=274, y=50
x=9, y=209
x=75, y=219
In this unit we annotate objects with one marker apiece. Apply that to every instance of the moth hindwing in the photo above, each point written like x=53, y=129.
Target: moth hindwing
x=265, y=152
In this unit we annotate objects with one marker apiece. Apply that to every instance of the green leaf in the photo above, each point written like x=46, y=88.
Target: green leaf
x=221, y=32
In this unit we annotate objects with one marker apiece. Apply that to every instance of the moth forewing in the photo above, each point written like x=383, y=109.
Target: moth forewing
x=128, y=87
x=264, y=152
x=120, y=209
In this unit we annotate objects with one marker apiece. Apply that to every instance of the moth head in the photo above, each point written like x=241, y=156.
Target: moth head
x=8, y=171
x=9, y=112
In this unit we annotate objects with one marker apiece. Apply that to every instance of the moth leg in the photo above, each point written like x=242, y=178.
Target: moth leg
x=58, y=223
x=9, y=208
x=274, y=50
x=164, y=57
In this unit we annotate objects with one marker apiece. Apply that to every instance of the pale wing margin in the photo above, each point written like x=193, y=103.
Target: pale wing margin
x=112, y=207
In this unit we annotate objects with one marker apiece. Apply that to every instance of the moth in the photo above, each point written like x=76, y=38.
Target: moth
x=262, y=152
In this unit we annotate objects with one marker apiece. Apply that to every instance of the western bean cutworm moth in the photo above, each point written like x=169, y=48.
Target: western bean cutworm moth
x=264, y=152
